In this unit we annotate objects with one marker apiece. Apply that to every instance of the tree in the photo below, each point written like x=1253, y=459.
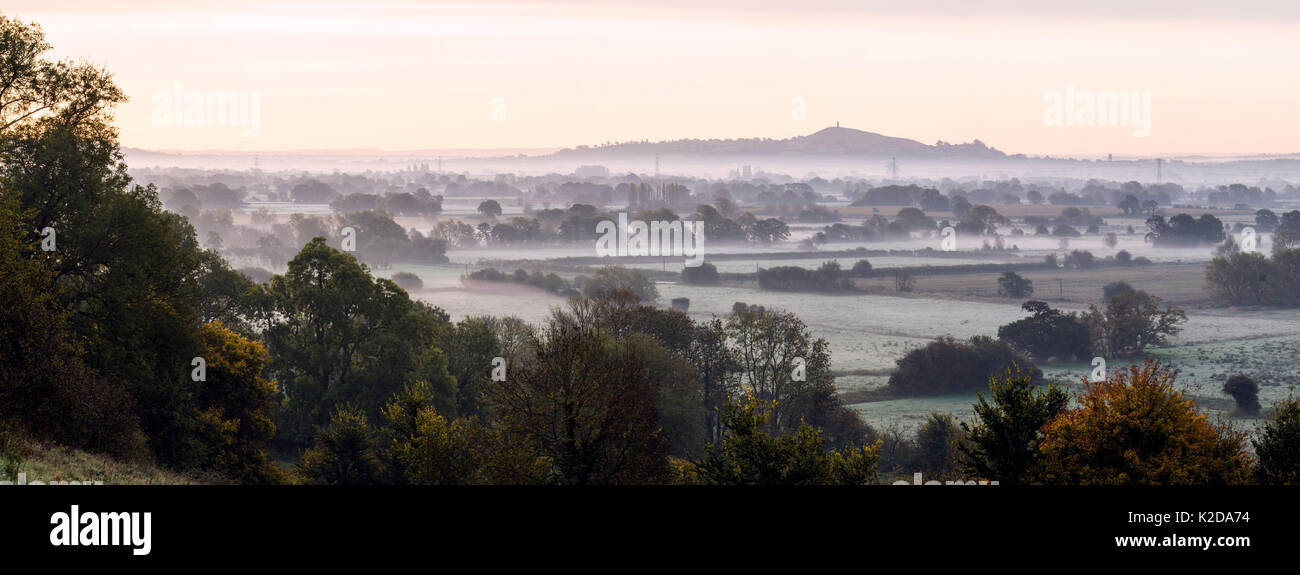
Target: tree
x=1003, y=444
x=1245, y=392
x=770, y=230
x=860, y=268
x=938, y=442
x=904, y=281
x=1079, y=259
x=471, y=346
x=585, y=402
x=489, y=208
x=679, y=402
x=1277, y=445
x=703, y=274
x=1012, y=284
x=1266, y=220
x=1048, y=333
x=235, y=404
x=1113, y=289
x=37, y=90
x=1243, y=279
x=1131, y=321
x=422, y=447
x=982, y=220
x=1185, y=230
x=344, y=453
x=715, y=365
x=1130, y=205
x=1285, y=239
x=45, y=388
x=130, y=269
x=747, y=455
x=770, y=349
x=227, y=295
x=1136, y=428
x=961, y=207
x=611, y=278
x=343, y=336
x=312, y=191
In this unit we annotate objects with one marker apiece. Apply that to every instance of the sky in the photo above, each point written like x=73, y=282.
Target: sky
x=1220, y=78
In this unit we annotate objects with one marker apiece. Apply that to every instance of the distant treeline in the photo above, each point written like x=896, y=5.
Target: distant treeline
x=578, y=223
x=1133, y=198
x=606, y=279
x=540, y=280
x=377, y=240
x=830, y=277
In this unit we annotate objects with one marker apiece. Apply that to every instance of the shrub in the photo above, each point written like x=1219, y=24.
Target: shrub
x=947, y=366
x=1012, y=284
x=703, y=274
x=827, y=278
x=1245, y=392
x=408, y=281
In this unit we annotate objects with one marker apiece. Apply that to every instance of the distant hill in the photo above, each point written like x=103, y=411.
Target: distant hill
x=833, y=141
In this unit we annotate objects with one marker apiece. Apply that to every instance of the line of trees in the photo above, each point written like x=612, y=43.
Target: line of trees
x=1131, y=321
x=1251, y=278
x=828, y=278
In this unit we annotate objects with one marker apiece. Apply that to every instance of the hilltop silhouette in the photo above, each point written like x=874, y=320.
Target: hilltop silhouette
x=832, y=141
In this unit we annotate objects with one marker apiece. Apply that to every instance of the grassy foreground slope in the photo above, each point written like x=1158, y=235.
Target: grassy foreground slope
x=48, y=462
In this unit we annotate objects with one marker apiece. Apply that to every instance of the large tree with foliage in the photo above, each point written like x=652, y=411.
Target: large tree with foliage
x=45, y=388
x=1277, y=445
x=126, y=273
x=344, y=336
x=235, y=406
x=344, y=452
x=1135, y=427
x=608, y=279
x=778, y=361
x=587, y=404
x=748, y=455
x=1003, y=444
x=1132, y=321
x=1048, y=333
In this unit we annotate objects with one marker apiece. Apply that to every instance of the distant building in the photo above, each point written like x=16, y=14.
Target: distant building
x=591, y=172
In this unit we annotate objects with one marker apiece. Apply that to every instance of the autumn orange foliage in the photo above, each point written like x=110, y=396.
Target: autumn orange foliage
x=1136, y=428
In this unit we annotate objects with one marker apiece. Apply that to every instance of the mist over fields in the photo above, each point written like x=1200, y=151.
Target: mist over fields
x=640, y=243
x=869, y=331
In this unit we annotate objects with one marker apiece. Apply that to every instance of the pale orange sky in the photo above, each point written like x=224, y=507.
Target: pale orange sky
x=423, y=75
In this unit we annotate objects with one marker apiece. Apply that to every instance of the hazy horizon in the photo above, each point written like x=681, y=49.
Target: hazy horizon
x=424, y=76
